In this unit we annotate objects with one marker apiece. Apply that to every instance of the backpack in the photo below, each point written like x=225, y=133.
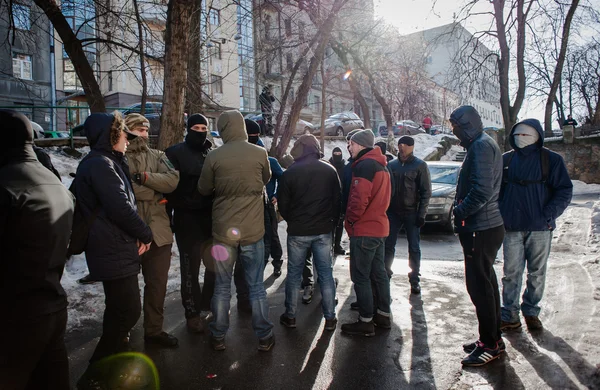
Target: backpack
x=544, y=162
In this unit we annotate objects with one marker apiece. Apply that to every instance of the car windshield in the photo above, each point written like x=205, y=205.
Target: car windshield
x=443, y=174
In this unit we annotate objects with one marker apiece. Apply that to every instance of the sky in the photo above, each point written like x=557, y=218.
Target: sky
x=415, y=15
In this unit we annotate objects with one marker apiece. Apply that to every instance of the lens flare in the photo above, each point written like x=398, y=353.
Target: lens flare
x=219, y=252
x=347, y=74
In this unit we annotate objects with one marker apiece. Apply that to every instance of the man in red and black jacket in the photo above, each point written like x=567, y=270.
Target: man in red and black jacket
x=368, y=226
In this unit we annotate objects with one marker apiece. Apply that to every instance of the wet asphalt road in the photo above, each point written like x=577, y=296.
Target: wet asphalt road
x=421, y=351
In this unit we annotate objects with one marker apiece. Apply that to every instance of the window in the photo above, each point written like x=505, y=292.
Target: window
x=214, y=16
x=22, y=66
x=217, y=83
x=215, y=51
x=289, y=60
x=317, y=100
x=110, y=80
x=288, y=27
x=267, y=27
x=301, y=31
x=21, y=17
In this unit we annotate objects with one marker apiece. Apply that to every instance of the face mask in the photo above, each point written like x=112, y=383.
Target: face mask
x=253, y=139
x=523, y=141
x=196, y=138
x=337, y=157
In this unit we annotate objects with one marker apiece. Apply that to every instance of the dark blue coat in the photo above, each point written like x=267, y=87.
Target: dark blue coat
x=534, y=206
x=276, y=173
x=101, y=183
x=346, y=180
x=476, y=204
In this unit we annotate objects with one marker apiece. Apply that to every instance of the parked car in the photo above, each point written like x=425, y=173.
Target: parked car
x=38, y=131
x=439, y=129
x=400, y=128
x=152, y=112
x=302, y=126
x=444, y=175
x=56, y=134
x=341, y=124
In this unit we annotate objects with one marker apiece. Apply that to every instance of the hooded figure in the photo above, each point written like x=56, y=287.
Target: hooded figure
x=480, y=229
x=536, y=189
x=337, y=160
x=383, y=146
x=192, y=221
x=36, y=213
x=236, y=174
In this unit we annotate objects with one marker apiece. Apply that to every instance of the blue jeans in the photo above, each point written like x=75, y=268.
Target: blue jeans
x=413, y=235
x=366, y=265
x=520, y=248
x=298, y=247
x=253, y=261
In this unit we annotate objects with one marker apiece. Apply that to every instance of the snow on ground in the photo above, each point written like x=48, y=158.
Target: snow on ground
x=451, y=154
x=581, y=188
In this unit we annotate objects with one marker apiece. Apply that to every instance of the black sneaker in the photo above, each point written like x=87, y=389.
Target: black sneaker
x=266, y=344
x=331, y=324
x=218, y=344
x=505, y=325
x=354, y=306
x=87, y=279
x=162, y=339
x=359, y=328
x=415, y=288
x=533, y=323
x=470, y=347
x=244, y=307
x=339, y=251
x=287, y=321
x=481, y=355
x=277, y=272
x=381, y=321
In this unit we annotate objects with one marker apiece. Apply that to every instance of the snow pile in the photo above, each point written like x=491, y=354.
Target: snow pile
x=452, y=153
x=581, y=188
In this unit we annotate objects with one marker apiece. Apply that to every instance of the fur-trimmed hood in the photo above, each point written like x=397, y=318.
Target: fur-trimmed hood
x=103, y=130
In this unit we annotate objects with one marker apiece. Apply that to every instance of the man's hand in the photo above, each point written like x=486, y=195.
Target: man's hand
x=274, y=200
x=420, y=222
x=139, y=178
x=143, y=248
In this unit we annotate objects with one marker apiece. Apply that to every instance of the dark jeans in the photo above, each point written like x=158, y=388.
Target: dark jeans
x=194, y=248
x=123, y=308
x=272, y=244
x=480, y=249
x=239, y=279
x=33, y=353
x=366, y=265
x=397, y=222
x=338, y=233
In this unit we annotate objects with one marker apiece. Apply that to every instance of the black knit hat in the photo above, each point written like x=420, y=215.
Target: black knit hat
x=196, y=119
x=410, y=141
x=252, y=127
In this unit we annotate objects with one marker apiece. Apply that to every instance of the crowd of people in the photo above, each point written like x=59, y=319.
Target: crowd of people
x=223, y=206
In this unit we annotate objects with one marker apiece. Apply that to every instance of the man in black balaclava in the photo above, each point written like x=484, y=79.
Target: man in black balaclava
x=338, y=162
x=192, y=222
x=36, y=215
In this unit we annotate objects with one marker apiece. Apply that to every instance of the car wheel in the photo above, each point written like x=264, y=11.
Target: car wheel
x=449, y=226
x=340, y=132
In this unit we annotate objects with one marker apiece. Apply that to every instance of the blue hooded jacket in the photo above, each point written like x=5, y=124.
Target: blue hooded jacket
x=476, y=204
x=534, y=206
x=101, y=183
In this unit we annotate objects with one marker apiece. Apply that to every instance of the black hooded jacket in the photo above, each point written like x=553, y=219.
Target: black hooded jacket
x=36, y=213
x=310, y=194
x=338, y=163
x=476, y=203
x=188, y=158
x=102, y=184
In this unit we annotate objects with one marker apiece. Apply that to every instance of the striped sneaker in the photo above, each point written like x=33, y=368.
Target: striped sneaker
x=482, y=355
x=470, y=347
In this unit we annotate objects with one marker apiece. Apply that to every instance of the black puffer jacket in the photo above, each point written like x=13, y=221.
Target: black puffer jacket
x=188, y=158
x=36, y=212
x=310, y=194
x=476, y=204
x=101, y=183
x=411, y=186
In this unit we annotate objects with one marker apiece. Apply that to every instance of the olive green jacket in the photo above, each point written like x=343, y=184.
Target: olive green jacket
x=236, y=174
x=160, y=178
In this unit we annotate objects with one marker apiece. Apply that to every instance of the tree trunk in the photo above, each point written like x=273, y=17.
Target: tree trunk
x=323, y=102
x=74, y=50
x=559, y=68
x=193, y=95
x=142, y=60
x=175, y=71
x=308, y=77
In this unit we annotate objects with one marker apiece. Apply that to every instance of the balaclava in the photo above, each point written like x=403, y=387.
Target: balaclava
x=253, y=131
x=196, y=139
x=521, y=141
x=337, y=157
x=383, y=146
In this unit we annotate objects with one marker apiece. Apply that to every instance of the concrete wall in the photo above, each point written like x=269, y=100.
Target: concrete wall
x=582, y=157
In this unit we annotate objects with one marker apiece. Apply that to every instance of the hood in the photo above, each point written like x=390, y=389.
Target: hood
x=442, y=189
x=530, y=122
x=232, y=127
x=304, y=146
x=17, y=137
x=373, y=154
x=468, y=120
x=98, y=128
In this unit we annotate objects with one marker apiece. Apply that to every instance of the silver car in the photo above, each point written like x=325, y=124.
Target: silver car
x=444, y=175
x=341, y=124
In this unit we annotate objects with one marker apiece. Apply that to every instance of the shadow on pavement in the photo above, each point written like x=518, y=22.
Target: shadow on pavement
x=500, y=375
x=422, y=373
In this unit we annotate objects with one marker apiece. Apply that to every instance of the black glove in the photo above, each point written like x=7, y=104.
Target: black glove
x=420, y=222
x=139, y=178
